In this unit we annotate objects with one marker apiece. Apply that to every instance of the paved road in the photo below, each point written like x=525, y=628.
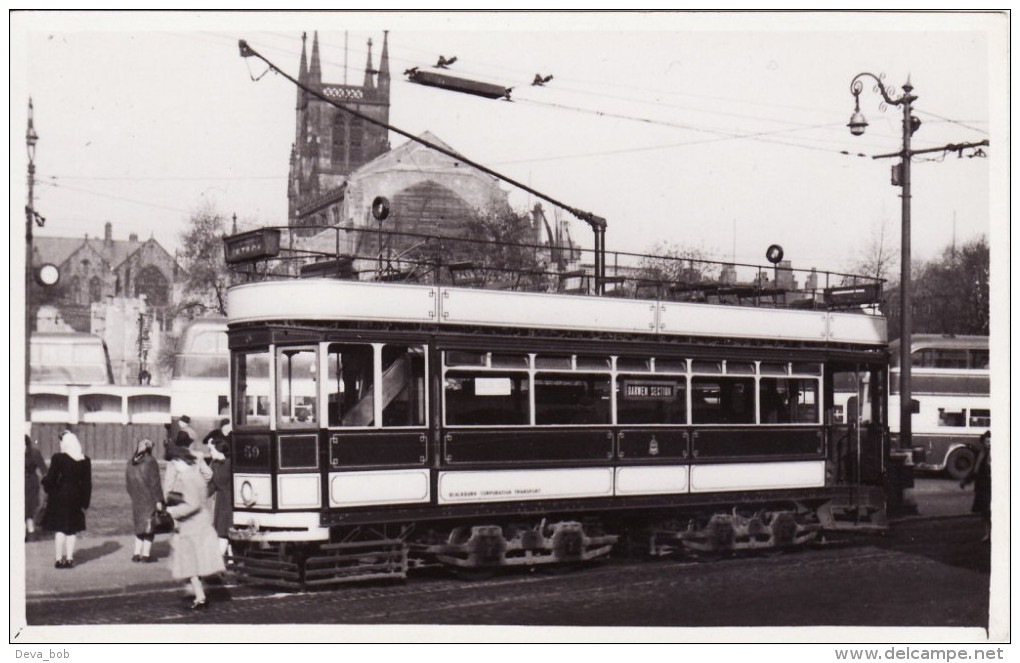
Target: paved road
x=925, y=572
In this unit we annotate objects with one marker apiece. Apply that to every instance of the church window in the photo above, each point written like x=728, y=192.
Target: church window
x=153, y=285
x=95, y=289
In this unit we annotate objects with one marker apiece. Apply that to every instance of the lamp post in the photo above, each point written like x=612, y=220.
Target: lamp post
x=31, y=138
x=901, y=177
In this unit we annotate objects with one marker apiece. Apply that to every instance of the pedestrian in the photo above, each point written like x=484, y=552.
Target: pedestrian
x=146, y=491
x=221, y=489
x=184, y=425
x=194, y=552
x=35, y=468
x=981, y=476
x=68, y=486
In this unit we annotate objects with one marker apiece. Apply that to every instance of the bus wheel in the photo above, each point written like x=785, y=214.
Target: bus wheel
x=960, y=463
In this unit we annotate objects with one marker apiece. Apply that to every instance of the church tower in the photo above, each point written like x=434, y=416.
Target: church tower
x=329, y=143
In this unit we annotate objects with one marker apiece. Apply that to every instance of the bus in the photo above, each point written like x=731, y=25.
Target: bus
x=69, y=358
x=416, y=422
x=199, y=386
x=950, y=385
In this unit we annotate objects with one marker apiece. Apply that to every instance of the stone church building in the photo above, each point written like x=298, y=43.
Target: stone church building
x=340, y=163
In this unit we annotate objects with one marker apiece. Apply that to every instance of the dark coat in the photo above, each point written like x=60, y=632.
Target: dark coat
x=145, y=488
x=222, y=486
x=68, y=486
x=35, y=466
x=983, y=485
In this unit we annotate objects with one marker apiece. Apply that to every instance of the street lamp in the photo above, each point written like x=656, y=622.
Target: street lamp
x=31, y=138
x=901, y=177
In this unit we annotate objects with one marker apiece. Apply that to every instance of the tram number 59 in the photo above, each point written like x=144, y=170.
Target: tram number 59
x=251, y=452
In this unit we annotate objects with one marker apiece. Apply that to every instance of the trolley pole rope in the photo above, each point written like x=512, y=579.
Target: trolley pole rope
x=597, y=223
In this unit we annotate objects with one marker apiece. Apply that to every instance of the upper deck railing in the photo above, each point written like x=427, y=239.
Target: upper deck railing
x=377, y=254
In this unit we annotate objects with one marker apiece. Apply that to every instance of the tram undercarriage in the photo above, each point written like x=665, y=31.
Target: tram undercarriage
x=473, y=550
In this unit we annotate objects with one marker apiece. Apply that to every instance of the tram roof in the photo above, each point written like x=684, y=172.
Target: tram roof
x=332, y=300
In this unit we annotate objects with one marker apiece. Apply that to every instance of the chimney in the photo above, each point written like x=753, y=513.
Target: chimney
x=108, y=236
x=133, y=237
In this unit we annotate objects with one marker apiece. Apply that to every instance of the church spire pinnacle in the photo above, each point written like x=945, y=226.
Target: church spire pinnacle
x=384, y=62
x=369, y=81
x=315, y=70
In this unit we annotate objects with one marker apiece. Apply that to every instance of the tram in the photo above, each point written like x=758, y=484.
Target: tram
x=416, y=422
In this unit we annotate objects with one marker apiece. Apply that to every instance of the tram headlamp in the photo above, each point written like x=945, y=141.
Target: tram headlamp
x=248, y=495
x=380, y=208
x=774, y=254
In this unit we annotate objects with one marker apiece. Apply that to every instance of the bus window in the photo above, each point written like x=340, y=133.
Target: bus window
x=350, y=384
x=979, y=359
x=296, y=387
x=486, y=399
x=403, y=381
x=951, y=417
x=570, y=398
x=980, y=418
x=643, y=401
x=788, y=401
x=722, y=400
x=251, y=378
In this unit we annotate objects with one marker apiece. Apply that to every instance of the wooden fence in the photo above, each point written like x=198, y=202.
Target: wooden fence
x=99, y=441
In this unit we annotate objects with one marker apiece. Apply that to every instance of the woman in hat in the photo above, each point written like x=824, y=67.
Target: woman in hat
x=146, y=491
x=194, y=550
x=68, y=486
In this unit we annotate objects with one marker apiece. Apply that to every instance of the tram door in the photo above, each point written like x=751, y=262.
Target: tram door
x=857, y=424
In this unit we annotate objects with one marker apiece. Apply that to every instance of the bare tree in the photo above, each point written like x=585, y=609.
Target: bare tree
x=206, y=277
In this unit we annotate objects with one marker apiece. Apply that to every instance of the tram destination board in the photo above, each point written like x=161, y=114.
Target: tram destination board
x=648, y=390
x=250, y=246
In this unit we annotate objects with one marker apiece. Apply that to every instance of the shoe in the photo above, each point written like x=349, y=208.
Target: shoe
x=136, y=558
x=199, y=605
x=68, y=563
x=59, y=564
x=149, y=559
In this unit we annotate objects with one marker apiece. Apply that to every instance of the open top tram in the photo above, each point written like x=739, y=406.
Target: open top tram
x=381, y=424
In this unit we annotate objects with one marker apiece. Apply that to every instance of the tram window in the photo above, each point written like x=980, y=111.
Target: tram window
x=510, y=361
x=668, y=365
x=773, y=369
x=722, y=400
x=569, y=398
x=980, y=418
x=458, y=358
x=297, y=386
x=593, y=363
x=349, y=393
x=643, y=401
x=251, y=384
x=703, y=366
x=486, y=399
x=979, y=359
x=788, y=401
x=553, y=361
x=806, y=368
x=740, y=368
x=632, y=364
x=403, y=381
x=951, y=418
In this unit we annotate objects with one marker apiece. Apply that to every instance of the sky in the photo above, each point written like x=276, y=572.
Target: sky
x=724, y=132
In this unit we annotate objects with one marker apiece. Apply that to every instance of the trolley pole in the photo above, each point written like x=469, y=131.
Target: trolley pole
x=901, y=178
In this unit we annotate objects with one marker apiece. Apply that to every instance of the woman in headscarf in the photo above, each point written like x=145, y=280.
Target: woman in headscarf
x=194, y=551
x=35, y=467
x=68, y=486
x=146, y=491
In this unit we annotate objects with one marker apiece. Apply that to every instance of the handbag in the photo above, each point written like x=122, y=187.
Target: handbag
x=160, y=522
x=174, y=497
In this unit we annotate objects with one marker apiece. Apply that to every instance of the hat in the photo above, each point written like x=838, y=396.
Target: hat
x=224, y=422
x=185, y=419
